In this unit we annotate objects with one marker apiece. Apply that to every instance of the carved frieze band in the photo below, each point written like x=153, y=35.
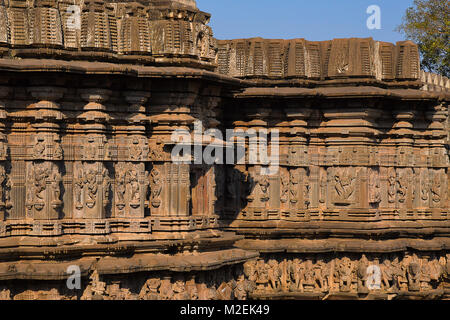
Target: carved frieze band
x=122, y=29
x=299, y=58
x=370, y=276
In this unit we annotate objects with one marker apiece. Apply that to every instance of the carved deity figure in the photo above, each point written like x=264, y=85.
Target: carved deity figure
x=58, y=152
x=179, y=288
x=374, y=187
x=128, y=190
x=309, y=281
x=425, y=275
x=320, y=276
x=120, y=187
x=274, y=275
x=425, y=189
x=250, y=270
x=387, y=275
x=402, y=187
x=90, y=150
x=437, y=269
x=150, y=289
x=284, y=187
x=345, y=273
x=361, y=272
x=297, y=275
x=263, y=182
x=344, y=183
x=90, y=180
x=106, y=185
x=414, y=275
x=133, y=180
x=86, y=185
x=135, y=150
x=262, y=277
x=39, y=148
x=156, y=152
x=243, y=287
x=436, y=188
x=323, y=188
x=156, y=187
x=392, y=187
x=55, y=179
x=398, y=274
x=78, y=186
x=306, y=189
x=41, y=175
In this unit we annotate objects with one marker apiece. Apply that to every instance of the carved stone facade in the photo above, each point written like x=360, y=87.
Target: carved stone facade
x=357, y=206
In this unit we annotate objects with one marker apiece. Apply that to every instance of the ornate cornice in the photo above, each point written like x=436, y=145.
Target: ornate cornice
x=149, y=33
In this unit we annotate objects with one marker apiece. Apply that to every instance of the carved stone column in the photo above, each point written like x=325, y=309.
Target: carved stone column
x=438, y=159
x=131, y=177
x=299, y=160
x=403, y=191
x=170, y=109
x=350, y=136
x=5, y=166
x=44, y=166
x=91, y=174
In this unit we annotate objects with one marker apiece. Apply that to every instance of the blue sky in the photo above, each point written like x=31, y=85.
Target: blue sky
x=314, y=20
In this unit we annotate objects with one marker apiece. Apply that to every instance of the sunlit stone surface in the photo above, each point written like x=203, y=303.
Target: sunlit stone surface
x=90, y=95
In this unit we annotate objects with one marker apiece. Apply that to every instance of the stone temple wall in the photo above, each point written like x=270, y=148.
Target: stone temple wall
x=87, y=116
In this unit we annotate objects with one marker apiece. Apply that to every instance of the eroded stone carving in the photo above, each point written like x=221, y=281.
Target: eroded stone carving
x=43, y=197
x=344, y=185
x=130, y=189
x=155, y=187
x=363, y=160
